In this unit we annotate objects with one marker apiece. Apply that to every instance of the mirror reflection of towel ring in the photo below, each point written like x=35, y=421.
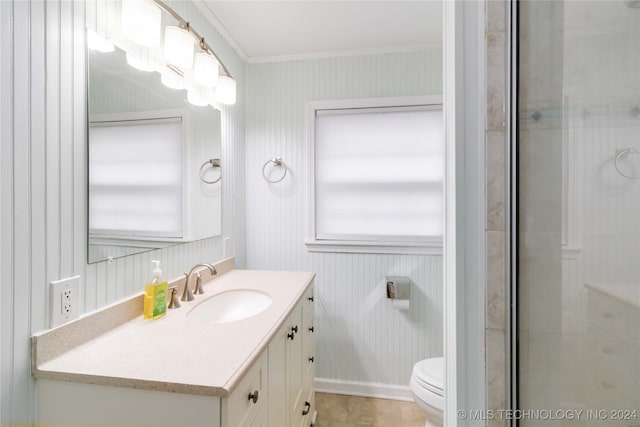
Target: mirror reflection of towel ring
x=621, y=155
x=214, y=163
x=277, y=161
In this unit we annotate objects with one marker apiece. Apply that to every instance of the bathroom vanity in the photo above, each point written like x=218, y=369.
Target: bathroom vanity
x=114, y=368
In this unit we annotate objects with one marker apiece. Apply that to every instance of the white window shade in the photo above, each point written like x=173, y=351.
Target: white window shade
x=379, y=174
x=135, y=179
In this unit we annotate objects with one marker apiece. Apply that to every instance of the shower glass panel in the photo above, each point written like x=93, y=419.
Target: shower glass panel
x=578, y=213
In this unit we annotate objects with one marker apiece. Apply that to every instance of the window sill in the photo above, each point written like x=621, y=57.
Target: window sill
x=374, y=247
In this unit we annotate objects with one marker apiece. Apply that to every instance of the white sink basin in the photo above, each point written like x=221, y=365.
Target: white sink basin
x=230, y=306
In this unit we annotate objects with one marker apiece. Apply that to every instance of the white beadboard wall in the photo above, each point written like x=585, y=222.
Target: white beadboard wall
x=608, y=203
x=43, y=183
x=360, y=337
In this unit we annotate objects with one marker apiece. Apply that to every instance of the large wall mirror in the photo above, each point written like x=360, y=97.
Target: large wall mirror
x=153, y=157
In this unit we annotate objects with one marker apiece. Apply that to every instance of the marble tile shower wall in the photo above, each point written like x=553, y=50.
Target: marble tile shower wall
x=496, y=140
x=538, y=84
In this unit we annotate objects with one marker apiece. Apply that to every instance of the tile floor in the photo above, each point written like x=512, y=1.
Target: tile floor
x=335, y=410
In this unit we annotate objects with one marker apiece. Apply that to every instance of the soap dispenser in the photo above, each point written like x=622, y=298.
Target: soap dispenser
x=155, y=294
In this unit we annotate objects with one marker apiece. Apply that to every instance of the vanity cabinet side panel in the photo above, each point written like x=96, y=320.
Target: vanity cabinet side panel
x=63, y=403
x=278, y=377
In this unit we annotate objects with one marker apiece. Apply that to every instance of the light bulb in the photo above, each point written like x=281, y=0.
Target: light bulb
x=226, y=90
x=141, y=21
x=178, y=47
x=205, y=70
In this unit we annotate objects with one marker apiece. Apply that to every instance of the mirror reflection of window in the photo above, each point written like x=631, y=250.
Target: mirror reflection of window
x=135, y=179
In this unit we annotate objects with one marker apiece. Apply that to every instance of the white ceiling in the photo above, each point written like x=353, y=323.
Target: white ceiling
x=263, y=30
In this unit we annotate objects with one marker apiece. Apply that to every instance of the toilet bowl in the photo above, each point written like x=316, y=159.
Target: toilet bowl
x=427, y=387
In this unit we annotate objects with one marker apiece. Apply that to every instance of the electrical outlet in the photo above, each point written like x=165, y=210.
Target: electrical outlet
x=67, y=303
x=64, y=297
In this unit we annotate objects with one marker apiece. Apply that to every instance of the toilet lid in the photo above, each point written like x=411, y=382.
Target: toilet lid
x=430, y=372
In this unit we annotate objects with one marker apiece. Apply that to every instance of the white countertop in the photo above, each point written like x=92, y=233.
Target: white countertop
x=177, y=353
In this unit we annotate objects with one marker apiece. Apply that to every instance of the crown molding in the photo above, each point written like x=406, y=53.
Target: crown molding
x=201, y=5
x=338, y=53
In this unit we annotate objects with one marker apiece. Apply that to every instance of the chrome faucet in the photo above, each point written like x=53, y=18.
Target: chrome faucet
x=186, y=294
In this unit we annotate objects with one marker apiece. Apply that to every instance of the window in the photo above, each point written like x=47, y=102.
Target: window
x=377, y=175
x=135, y=178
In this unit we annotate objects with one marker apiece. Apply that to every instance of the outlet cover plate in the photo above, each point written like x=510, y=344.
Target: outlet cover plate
x=64, y=300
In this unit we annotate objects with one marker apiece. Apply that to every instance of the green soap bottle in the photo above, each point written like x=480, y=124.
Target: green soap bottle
x=155, y=295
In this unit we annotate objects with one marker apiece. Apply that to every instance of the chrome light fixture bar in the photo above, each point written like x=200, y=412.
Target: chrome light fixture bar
x=199, y=39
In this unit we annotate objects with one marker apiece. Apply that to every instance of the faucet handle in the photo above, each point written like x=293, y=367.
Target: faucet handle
x=198, y=290
x=173, y=302
x=186, y=294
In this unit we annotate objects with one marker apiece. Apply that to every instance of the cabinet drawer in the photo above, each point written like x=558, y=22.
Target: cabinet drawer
x=239, y=409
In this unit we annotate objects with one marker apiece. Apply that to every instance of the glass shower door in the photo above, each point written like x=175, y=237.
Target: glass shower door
x=578, y=198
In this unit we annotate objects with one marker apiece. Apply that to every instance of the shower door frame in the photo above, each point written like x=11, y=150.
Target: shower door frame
x=512, y=207
x=465, y=255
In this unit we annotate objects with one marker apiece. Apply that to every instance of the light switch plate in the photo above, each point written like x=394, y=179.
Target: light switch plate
x=64, y=300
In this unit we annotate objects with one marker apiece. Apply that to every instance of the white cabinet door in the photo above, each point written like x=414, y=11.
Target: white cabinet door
x=261, y=419
x=308, y=360
x=295, y=367
x=291, y=367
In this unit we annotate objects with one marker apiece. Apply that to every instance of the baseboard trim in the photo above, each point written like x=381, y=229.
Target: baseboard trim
x=356, y=388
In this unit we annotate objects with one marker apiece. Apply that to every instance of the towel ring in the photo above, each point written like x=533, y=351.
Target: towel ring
x=622, y=154
x=277, y=161
x=215, y=163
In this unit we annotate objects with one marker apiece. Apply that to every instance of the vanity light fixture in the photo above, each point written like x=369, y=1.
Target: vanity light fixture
x=139, y=63
x=205, y=70
x=171, y=78
x=141, y=21
x=99, y=42
x=226, y=90
x=178, y=47
x=200, y=72
x=197, y=96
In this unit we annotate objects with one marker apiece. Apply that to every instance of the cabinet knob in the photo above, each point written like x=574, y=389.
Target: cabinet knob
x=310, y=299
x=311, y=329
x=254, y=396
x=311, y=359
x=307, y=408
x=291, y=336
x=294, y=329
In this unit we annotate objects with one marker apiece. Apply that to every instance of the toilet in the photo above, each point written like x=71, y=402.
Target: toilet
x=427, y=388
